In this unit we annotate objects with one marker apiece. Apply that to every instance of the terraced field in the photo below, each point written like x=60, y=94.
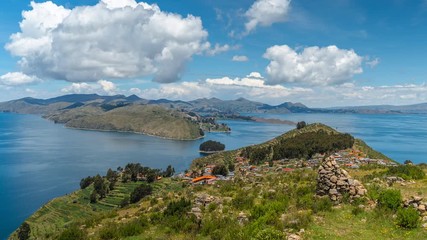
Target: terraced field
x=76, y=207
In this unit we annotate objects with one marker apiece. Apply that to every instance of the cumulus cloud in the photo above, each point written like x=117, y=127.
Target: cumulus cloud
x=252, y=86
x=113, y=39
x=218, y=49
x=266, y=12
x=240, y=58
x=312, y=66
x=17, y=78
x=102, y=87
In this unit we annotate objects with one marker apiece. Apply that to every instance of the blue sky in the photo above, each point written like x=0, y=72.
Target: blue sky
x=321, y=53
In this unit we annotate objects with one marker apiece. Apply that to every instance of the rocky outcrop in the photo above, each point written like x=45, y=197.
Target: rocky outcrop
x=417, y=203
x=335, y=182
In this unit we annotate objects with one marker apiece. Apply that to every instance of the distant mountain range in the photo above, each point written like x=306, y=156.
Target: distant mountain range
x=203, y=105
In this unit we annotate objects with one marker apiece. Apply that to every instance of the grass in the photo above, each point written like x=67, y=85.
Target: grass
x=342, y=224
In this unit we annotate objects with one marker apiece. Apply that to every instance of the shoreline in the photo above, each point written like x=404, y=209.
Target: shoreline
x=133, y=132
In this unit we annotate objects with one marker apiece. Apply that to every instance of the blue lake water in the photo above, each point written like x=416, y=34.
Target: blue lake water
x=40, y=160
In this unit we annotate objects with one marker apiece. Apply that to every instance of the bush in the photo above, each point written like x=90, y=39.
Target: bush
x=140, y=192
x=269, y=234
x=24, y=231
x=408, y=218
x=323, y=204
x=357, y=210
x=297, y=220
x=390, y=199
x=73, y=233
x=407, y=172
x=301, y=124
x=220, y=170
x=177, y=208
x=85, y=182
x=124, y=202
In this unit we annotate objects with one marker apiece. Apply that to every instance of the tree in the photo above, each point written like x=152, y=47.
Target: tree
x=124, y=202
x=24, y=231
x=93, y=197
x=220, y=170
x=85, y=182
x=169, y=171
x=301, y=124
x=140, y=192
x=100, y=186
x=111, y=175
x=408, y=162
x=211, y=146
x=133, y=169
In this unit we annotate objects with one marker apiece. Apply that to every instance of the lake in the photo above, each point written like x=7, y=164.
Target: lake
x=40, y=160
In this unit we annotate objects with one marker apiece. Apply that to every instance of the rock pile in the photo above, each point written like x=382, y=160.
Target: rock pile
x=334, y=182
x=417, y=203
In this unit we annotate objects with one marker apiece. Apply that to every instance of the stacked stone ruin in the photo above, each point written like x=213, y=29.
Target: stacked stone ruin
x=334, y=182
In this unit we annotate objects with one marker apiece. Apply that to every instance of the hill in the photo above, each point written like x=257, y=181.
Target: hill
x=276, y=201
x=146, y=119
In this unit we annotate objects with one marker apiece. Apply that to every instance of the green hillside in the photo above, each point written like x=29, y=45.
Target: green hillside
x=146, y=119
x=263, y=201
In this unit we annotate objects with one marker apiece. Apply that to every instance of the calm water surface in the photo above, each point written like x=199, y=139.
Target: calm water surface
x=40, y=160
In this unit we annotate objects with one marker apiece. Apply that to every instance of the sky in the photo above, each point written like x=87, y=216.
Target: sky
x=321, y=53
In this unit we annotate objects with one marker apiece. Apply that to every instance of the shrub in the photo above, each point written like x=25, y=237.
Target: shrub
x=140, y=192
x=85, y=182
x=220, y=170
x=407, y=172
x=269, y=234
x=357, y=210
x=323, y=204
x=408, y=218
x=177, y=208
x=242, y=201
x=73, y=233
x=297, y=220
x=124, y=202
x=24, y=231
x=301, y=124
x=390, y=199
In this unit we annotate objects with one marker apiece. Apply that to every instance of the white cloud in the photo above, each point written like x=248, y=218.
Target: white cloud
x=17, y=78
x=266, y=12
x=312, y=66
x=111, y=40
x=372, y=62
x=252, y=86
x=238, y=58
x=218, y=49
x=101, y=87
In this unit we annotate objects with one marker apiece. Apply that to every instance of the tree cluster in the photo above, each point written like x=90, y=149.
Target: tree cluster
x=211, y=146
x=304, y=145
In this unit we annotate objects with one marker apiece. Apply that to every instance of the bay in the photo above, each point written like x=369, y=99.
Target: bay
x=40, y=160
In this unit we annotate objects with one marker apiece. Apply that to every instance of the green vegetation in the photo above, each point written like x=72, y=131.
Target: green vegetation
x=407, y=172
x=24, y=231
x=147, y=119
x=211, y=146
x=268, y=205
x=139, y=192
x=303, y=145
x=390, y=199
x=408, y=218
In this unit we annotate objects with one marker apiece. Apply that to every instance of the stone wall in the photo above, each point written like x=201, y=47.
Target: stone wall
x=334, y=182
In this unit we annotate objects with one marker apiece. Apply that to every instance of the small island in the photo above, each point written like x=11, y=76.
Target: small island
x=210, y=147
